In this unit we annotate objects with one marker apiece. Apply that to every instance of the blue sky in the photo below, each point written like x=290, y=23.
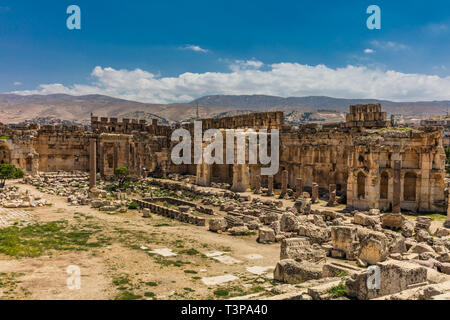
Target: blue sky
x=173, y=51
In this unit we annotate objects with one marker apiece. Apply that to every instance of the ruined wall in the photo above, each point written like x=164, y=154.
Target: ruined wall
x=357, y=155
x=62, y=148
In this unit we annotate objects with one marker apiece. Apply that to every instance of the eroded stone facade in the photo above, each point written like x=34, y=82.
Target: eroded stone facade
x=361, y=157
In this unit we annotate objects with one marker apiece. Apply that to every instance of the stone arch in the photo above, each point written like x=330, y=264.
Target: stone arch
x=361, y=185
x=384, y=185
x=409, y=186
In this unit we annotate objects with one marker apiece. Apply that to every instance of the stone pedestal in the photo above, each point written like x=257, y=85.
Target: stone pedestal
x=269, y=185
x=332, y=198
x=298, y=187
x=396, y=205
x=315, y=193
x=284, y=183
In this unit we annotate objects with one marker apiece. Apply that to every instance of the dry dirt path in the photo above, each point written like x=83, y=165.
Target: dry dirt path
x=123, y=267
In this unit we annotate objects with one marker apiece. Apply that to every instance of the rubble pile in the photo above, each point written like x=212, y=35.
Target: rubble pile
x=11, y=197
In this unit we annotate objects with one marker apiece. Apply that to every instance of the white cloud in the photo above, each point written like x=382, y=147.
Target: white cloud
x=369, y=51
x=245, y=65
x=195, y=48
x=389, y=45
x=17, y=83
x=280, y=79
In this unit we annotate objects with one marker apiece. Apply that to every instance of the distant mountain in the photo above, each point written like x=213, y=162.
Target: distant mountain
x=316, y=102
x=17, y=108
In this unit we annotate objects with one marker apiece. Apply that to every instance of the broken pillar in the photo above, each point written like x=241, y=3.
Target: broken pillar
x=203, y=177
x=92, y=163
x=258, y=184
x=447, y=222
x=315, y=193
x=332, y=196
x=298, y=187
x=396, y=208
x=241, y=178
x=269, y=185
x=284, y=183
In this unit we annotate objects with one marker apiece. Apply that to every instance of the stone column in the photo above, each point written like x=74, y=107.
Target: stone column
x=116, y=155
x=396, y=207
x=284, y=182
x=102, y=160
x=315, y=192
x=203, y=177
x=269, y=185
x=332, y=197
x=92, y=163
x=447, y=222
x=258, y=184
x=241, y=178
x=298, y=187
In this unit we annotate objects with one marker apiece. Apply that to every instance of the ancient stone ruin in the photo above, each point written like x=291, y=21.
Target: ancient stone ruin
x=347, y=206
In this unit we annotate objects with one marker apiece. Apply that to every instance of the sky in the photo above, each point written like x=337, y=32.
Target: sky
x=175, y=51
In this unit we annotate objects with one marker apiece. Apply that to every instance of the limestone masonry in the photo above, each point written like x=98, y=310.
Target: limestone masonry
x=363, y=162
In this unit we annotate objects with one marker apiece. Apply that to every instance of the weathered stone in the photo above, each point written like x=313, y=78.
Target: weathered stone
x=373, y=248
x=395, y=276
x=344, y=238
x=239, y=231
x=365, y=220
x=392, y=220
x=291, y=271
x=266, y=235
x=298, y=187
x=217, y=224
x=289, y=222
x=315, y=193
x=300, y=249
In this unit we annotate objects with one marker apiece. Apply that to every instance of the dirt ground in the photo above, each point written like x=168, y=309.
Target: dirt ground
x=113, y=254
x=120, y=265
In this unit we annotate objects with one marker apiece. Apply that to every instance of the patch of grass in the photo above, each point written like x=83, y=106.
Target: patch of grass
x=221, y=293
x=190, y=271
x=151, y=284
x=33, y=240
x=437, y=217
x=257, y=289
x=190, y=252
x=149, y=294
x=127, y=295
x=133, y=206
x=121, y=280
x=338, y=291
x=167, y=262
x=162, y=225
x=341, y=274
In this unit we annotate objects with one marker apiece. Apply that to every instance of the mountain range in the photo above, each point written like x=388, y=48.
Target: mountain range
x=16, y=108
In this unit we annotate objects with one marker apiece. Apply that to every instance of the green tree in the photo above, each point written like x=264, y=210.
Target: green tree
x=122, y=174
x=9, y=171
